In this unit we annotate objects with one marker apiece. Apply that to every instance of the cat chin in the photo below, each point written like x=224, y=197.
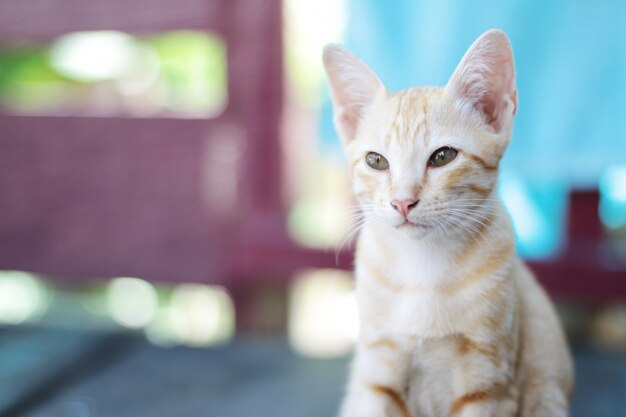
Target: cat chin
x=415, y=232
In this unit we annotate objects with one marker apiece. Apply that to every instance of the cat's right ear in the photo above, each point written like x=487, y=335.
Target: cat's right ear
x=484, y=81
x=353, y=86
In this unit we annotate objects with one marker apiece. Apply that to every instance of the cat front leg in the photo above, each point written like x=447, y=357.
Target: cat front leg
x=483, y=384
x=378, y=381
x=484, y=403
x=545, y=398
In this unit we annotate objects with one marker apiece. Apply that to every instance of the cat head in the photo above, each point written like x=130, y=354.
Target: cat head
x=426, y=158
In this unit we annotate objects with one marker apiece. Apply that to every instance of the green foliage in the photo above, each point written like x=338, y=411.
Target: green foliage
x=192, y=76
x=27, y=78
x=193, y=64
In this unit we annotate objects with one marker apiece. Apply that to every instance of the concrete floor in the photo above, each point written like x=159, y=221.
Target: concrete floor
x=65, y=373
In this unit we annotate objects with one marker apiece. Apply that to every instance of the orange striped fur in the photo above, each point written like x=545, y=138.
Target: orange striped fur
x=396, y=398
x=452, y=322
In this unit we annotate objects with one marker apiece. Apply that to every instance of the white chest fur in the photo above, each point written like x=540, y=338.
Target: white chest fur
x=401, y=289
x=398, y=286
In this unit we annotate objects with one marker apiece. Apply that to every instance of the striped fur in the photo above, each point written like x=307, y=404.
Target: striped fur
x=452, y=322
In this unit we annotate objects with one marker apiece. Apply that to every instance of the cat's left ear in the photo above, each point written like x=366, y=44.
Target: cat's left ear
x=485, y=80
x=353, y=86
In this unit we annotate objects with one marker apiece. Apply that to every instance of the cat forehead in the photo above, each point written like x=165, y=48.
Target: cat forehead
x=404, y=116
x=416, y=99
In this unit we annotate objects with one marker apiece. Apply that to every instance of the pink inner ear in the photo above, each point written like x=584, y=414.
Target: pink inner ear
x=486, y=79
x=494, y=91
x=488, y=107
x=494, y=95
x=353, y=86
x=493, y=107
x=348, y=122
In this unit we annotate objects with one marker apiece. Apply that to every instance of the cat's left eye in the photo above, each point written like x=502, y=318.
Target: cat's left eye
x=376, y=161
x=442, y=156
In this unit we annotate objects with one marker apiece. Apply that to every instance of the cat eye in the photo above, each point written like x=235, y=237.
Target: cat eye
x=442, y=156
x=376, y=161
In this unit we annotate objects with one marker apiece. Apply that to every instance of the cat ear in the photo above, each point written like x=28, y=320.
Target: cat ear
x=353, y=88
x=485, y=80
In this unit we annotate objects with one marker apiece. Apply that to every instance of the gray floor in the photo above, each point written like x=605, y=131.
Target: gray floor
x=63, y=373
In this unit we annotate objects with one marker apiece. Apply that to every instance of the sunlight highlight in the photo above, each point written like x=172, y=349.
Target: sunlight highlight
x=323, y=320
x=309, y=26
x=132, y=302
x=23, y=297
x=95, y=56
x=196, y=315
x=613, y=197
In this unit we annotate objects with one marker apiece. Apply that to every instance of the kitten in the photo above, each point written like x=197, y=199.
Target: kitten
x=452, y=322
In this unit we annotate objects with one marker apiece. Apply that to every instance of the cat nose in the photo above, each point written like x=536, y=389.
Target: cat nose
x=404, y=206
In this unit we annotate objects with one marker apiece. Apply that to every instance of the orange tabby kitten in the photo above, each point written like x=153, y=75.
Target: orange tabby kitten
x=452, y=322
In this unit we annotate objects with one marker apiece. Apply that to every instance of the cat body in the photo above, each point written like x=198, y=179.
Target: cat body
x=452, y=322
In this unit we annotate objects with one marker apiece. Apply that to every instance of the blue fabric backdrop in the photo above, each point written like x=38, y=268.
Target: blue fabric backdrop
x=571, y=75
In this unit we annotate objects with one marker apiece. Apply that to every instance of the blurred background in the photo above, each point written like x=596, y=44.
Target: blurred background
x=174, y=204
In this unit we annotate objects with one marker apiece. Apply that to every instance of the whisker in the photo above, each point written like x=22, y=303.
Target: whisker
x=347, y=240
x=476, y=217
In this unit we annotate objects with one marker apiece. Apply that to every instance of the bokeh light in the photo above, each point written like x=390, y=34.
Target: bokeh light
x=95, y=56
x=613, y=197
x=323, y=319
x=195, y=315
x=23, y=297
x=131, y=302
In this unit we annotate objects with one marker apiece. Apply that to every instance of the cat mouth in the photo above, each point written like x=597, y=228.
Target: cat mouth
x=409, y=223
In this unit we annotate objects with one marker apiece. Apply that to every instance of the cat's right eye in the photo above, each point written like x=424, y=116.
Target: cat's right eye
x=442, y=156
x=376, y=161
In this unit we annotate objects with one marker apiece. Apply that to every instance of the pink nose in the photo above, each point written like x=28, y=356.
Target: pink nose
x=404, y=206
